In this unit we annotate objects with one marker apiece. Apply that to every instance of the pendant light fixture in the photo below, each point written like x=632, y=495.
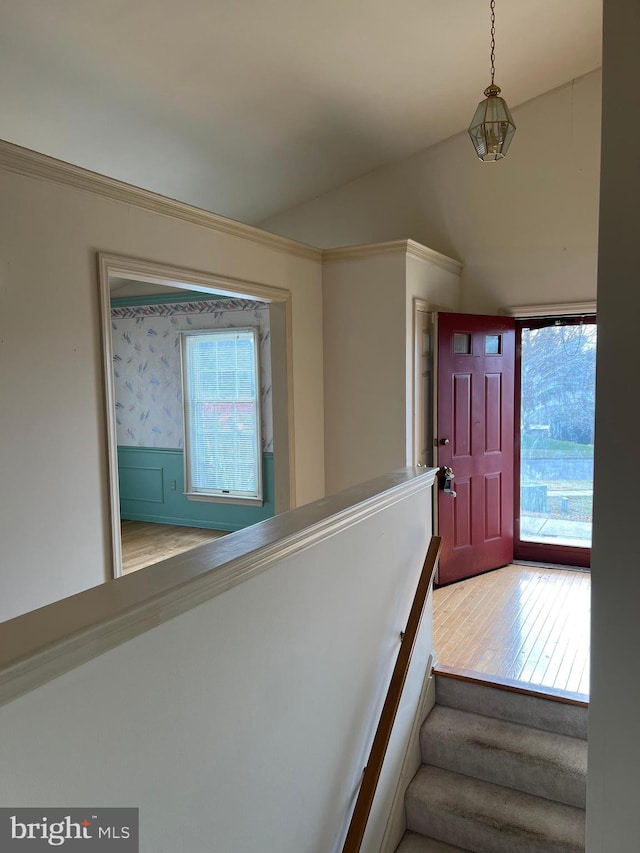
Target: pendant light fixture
x=492, y=128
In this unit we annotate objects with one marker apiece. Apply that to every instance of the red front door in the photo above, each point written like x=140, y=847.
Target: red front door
x=474, y=432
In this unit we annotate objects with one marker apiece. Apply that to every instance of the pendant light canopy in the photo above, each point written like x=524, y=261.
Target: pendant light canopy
x=492, y=127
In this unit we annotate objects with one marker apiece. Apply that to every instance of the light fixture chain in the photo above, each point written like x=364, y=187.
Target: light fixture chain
x=493, y=40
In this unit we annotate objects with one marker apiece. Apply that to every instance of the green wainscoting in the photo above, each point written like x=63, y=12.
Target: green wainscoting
x=152, y=489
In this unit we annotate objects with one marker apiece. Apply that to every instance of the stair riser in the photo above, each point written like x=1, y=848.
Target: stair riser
x=419, y=844
x=534, y=711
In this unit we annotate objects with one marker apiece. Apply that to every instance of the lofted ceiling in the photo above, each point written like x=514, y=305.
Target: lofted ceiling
x=249, y=107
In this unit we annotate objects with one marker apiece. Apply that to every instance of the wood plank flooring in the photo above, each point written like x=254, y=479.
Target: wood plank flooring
x=144, y=543
x=519, y=624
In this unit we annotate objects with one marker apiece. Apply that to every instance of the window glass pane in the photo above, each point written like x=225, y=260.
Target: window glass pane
x=222, y=439
x=462, y=343
x=493, y=344
x=557, y=430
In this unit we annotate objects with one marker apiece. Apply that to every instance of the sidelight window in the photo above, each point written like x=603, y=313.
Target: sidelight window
x=557, y=431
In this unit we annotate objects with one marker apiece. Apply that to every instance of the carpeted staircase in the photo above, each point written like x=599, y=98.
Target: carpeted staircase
x=502, y=772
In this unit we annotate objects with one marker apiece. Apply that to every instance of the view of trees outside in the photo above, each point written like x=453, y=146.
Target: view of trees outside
x=557, y=425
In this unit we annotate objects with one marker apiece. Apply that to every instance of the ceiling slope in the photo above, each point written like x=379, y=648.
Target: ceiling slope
x=249, y=108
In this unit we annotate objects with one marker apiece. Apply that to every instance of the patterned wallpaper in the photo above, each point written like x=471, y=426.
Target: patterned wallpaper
x=146, y=365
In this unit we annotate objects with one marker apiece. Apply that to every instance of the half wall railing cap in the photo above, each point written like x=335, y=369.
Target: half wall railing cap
x=43, y=644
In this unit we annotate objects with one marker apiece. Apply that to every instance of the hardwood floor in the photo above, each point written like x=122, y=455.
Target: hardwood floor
x=519, y=624
x=144, y=543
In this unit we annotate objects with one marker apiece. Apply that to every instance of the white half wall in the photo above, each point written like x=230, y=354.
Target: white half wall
x=54, y=518
x=525, y=228
x=244, y=723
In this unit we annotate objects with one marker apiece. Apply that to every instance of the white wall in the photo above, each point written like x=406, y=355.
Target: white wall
x=525, y=228
x=54, y=527
x=369, y=356
x=238, y=727
x=364, y=368
x=613, y=817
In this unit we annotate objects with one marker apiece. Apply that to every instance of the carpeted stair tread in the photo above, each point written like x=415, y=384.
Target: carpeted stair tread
x=486, y=818
x=509, y=754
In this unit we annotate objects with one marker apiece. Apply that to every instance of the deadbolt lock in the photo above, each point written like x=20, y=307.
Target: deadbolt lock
x=446, y=481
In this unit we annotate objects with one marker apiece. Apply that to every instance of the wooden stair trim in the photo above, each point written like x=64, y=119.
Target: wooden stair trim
x=372, y=771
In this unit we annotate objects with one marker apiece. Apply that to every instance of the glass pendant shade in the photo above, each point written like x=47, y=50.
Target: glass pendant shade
x=492, y=127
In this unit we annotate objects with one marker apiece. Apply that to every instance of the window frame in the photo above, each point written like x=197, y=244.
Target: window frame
x=218, y=495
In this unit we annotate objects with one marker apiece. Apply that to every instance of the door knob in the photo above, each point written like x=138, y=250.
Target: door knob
x=444, y=441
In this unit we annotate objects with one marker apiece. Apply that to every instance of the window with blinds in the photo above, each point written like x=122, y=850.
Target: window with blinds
x=221, y=392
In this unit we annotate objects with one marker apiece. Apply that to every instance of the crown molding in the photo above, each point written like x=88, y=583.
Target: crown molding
x=392, y=247
x=424, y=253
x=365, y=250
x=24, y=161
x=561, y=309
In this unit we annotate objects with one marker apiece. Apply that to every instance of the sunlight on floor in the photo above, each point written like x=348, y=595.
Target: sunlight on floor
x=520, y=624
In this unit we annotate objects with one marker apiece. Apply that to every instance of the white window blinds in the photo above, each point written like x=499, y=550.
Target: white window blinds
x=222, y=413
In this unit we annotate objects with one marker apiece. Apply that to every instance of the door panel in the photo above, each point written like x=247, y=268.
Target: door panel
x=493, y=506
x=492, y=412
x=461, y=414
x=475, y=426
x=462, y=515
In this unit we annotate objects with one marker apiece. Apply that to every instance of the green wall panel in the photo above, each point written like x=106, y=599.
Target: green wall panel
x=152, y=489
x=142, y=483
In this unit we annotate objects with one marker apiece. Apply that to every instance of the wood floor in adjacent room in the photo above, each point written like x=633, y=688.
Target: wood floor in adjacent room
x=144, y=543
x=522, y=625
